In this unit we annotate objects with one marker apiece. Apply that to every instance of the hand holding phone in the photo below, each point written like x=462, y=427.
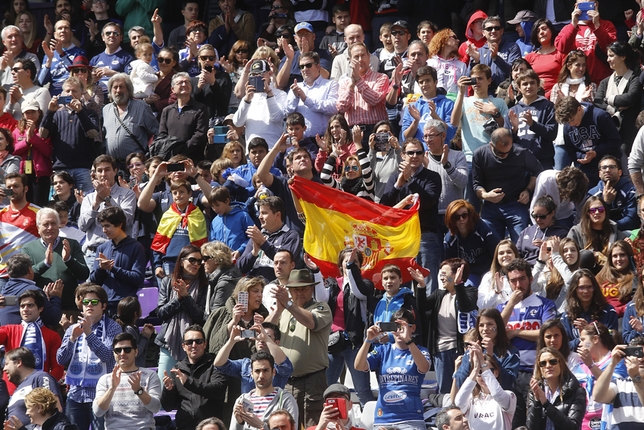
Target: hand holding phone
x=242, y=299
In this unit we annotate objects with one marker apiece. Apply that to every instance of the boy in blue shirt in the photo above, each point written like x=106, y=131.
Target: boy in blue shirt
x=400, y=368
x=231, y=222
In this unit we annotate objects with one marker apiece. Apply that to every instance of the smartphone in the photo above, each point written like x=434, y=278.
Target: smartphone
x=388, y=326
x=242, y=299
x=64, y=100
x=338, y=403
x=257, y=82
x=176, y=167
x=248, y=406
x=584, y=8
x=631, y=351
x=8, y=192
x=381, y=141
x=13, y=301
x=248, y=334
x=208, y=69
x=472, y=81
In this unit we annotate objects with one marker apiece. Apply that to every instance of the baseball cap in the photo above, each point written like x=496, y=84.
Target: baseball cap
x=400, y=23
x=304, y=26
x=523, y=16
x=29, y=105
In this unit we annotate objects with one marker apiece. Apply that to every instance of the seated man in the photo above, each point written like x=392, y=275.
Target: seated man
x=331, y=417
x=401, y=367
x=195, y=389
x=267, y=339
x=265, y=398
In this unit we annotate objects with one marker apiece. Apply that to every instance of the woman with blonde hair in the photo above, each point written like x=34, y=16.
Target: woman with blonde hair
x=25, y=21
x=234, y=151
x=42, y=406
x=239, y=55
x=222, y=273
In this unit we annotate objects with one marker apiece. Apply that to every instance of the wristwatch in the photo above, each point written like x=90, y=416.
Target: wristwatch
x=447, y=166
x=637, y=379
x=107, y=199
x=139, y=391
x=409, y=343
x=289, y=304
x=496, y=115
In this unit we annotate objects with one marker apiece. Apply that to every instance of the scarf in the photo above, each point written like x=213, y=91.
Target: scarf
x=565, y=87
x=192, y=219
x=173, y=336
x=32, y=339
x=616, y=86
x=85, y=368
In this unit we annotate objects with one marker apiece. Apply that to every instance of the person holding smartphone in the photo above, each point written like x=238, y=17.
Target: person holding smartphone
x=337, y=404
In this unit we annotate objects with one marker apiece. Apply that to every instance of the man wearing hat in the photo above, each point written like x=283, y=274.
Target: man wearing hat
x=335, y=397
x=24, y=89
x=306, y=325
x=290, y=64
x=524, y=21
x=400, y=35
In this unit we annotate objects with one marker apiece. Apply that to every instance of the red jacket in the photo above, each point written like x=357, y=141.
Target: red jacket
x=588, y=39
x=10, y=337
x=41, y=150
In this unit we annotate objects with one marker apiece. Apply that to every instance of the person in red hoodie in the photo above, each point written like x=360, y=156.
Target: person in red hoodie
x=474, y=35
x=588, y=36
x=31, y=333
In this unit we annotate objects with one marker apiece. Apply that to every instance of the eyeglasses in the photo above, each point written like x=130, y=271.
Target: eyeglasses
x=162, y=60
x=242, y=51
x=189, y=342
x=349, y=168
x=17, y=69
x=608, y=167
x=198, y=30
x=412, y=153
x=286, y=35
x=193, y=260
x=93, y=302
x=500, y=153
x=552, y=362
x=464, y=215
x=596, y=210
x=307, y=66
x=126, y=349
x=493, y=28
x=135, y=165
x=207, y=58
x=206, y=258
x=398, y=33
x=112, y=33
x=431, y=136
x=80, y=70
x=540, y=216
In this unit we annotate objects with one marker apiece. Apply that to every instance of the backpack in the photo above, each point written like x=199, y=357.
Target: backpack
x=166, y=147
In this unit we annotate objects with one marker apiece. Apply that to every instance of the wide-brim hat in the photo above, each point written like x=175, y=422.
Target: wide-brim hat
x=301, y=278
x=80, y=61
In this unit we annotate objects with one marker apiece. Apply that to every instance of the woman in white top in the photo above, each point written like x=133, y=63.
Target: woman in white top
x=495, y=288
x=443, y=53
x=481, y=398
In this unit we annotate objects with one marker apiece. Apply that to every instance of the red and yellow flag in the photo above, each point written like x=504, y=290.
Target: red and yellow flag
x=335, y=220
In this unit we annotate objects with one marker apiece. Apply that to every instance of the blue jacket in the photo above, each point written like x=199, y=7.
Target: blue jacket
x=539, y=136
x=231, y=228
x=608, y=318
x=11, y=314
x=524, y=44
x=502, y=65
x=477, y=248
x=246, y=172
x=508, y=366
x=444, y=107
x=128, y=273
x=242, y=369
x=118, y=61
x=627, y=331
x=623, y=210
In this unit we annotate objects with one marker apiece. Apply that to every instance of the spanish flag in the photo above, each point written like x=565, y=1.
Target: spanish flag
x=192, y=219
x=335, y=220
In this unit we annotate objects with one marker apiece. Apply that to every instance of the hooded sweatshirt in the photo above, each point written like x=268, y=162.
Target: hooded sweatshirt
x=524, y=43
x=462, y=50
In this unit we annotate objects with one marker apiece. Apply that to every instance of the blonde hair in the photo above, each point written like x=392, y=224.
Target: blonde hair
x=245, y=284
x=44, y=398
x=229, y=147
x=266, y=53
x=219, y=252
x=141, y=48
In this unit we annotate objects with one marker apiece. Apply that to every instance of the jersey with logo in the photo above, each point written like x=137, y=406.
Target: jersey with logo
x=399, y=383
x=529, y=314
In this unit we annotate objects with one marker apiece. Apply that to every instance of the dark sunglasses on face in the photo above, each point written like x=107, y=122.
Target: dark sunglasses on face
x=349, y=168
x=162, y=60
x=193, y=260
x=286, y=35
x=242, y=51
x=307, y=66
x=412, y=153
x=207, y=58
x=540, y=216
x=398, y=33
x=493, y=28
x=464, y=215
x=112, y=33
x=93, y=302
x=596, y=210
x=189, y=342
x=206, y=258
x=126, y=349
x=552, y=362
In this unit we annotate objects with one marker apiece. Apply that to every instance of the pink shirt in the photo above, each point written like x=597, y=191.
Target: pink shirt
x=365, y=103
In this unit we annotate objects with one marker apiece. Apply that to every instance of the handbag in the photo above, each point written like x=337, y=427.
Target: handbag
x=118, y=117
x=337, y=342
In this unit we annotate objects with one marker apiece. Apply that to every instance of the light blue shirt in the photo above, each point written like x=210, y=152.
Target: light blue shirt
x=319, y=106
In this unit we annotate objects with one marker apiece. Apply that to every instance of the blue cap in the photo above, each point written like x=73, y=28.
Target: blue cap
x=304, y=26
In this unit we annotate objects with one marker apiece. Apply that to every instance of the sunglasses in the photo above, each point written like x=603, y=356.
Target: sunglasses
x=306, y=66
x=552, y=362
x=193, y=260
x=93, y=302
x=207, y=58
x=398, y=33
x=162, y=60
x=464, y=215
x=134, y=165
x=539, y=216
x=350, y=168
x=83, y=70
x=500, y=153
x=112, y=33
x=126, y=349
x=596, y=210
x=17, y=69
x=206, y=258
x=412, y=153
x=286, y=35
x=493, y=28
x=189, y=342
x=242, y=51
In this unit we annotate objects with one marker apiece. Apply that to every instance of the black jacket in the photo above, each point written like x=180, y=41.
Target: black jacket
x=189, y=126
x=58, y=421
x=201, y=397
x=430, y=306
x=353, y=322
x=566, y=415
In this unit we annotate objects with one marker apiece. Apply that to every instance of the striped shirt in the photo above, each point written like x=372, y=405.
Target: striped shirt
x=260, y=403
x=364, y=103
